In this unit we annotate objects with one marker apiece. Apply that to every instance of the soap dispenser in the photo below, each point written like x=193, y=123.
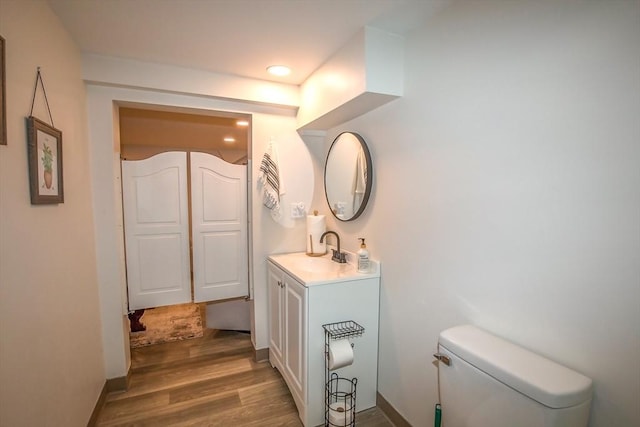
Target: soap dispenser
x=363, y=258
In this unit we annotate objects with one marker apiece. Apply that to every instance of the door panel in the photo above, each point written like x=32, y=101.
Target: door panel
x=154, y=275
x=276, y=314
x=156, y=223
x=219, y=228
x=295, y=343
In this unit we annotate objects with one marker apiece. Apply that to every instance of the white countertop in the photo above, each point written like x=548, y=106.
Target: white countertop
x=311, y=270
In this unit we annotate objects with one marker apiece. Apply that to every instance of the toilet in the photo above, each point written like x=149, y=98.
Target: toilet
x=486, y=381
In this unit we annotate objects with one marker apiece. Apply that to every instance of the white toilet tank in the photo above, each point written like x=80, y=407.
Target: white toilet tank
x=491, y=382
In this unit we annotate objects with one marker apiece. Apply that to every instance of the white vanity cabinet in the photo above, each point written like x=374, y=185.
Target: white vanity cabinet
x=287, y=329
x=300, y=302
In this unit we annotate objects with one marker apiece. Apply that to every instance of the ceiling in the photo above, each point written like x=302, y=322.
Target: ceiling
x=236, y=37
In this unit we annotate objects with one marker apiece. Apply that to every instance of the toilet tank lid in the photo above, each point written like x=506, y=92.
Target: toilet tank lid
x=541, y=379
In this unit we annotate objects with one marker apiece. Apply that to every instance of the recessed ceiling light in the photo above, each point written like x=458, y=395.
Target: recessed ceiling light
x=242, y=123
x=229, y=139
x=279, y=70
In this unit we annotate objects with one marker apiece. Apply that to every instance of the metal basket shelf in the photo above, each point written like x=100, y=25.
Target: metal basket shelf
x=346, y=329
x=339, y=391
x=340, y=406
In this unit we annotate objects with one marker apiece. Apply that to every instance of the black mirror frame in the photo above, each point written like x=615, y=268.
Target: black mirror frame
x=367, y=192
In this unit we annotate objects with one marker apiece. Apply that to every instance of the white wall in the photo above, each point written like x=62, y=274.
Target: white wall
x=51, y=370
x=268, y=122
x=507, y=195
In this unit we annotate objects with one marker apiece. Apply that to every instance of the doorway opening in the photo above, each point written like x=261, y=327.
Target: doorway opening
x=147, y=131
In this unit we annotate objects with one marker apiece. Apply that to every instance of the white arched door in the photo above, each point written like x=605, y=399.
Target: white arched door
x=157, y=219
x=156, y=223
x=219, y=228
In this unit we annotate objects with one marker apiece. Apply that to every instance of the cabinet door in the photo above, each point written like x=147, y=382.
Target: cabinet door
x=295, y=324
x=276, y=315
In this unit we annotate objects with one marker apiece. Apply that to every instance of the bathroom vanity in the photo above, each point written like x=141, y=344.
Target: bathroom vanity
x=304, y=294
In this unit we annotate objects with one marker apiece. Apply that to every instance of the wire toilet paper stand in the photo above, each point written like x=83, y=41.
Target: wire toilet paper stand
x=340, y=393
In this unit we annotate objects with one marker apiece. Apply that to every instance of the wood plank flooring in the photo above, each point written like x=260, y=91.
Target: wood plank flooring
x=207, y=381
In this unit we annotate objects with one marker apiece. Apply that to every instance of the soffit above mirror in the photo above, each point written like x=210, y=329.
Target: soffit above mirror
x=365, y=74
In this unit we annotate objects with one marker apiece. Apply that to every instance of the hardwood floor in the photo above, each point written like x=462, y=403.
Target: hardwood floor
x=208, y=381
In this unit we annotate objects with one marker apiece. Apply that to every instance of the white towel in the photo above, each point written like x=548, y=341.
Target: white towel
x=270, y=178
x=359, y=181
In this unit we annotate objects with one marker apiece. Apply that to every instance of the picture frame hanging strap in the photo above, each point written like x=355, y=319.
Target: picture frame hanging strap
x=33, y=100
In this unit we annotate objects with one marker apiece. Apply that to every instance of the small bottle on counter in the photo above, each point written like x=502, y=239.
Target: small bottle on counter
x=363, y=258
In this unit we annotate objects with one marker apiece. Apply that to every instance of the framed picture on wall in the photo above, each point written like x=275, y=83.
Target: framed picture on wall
x=45, y=162
x=3, y=95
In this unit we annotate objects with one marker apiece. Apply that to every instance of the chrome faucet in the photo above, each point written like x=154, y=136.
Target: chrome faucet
x=337, y=255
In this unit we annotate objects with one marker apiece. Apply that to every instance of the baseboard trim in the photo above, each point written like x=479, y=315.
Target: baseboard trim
x=99, y=404
x=391, y=413
x=261, y=354
x=112, y=385
x=118, y=384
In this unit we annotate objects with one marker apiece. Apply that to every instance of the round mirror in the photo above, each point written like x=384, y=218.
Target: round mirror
x=348, y=176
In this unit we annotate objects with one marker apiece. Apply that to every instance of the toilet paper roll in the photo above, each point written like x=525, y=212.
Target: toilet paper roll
x=316, y=225
x=340, y=354
x=340, y=414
